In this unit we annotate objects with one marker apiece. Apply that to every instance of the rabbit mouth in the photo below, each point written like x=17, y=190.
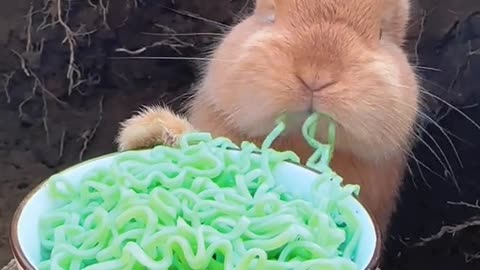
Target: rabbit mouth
x=294, y=119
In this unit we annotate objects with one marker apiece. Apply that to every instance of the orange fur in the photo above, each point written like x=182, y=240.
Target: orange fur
x=268, y=65
x=152, y=126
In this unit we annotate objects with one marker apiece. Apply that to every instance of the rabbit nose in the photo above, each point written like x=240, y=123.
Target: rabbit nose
x=318, y=82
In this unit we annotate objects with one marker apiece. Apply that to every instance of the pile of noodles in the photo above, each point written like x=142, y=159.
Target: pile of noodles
x=201, y=206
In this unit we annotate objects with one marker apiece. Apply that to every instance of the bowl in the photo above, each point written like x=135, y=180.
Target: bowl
x=25, y=232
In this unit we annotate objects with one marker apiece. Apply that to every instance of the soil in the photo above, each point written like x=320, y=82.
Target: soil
x=56, y=110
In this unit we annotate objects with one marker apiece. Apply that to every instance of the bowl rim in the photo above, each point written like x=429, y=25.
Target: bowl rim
x=24, y=263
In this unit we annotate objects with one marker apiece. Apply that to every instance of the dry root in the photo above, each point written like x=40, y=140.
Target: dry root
x=6, y=84
x=88, y=135
x=452, y=230
x=56, y=14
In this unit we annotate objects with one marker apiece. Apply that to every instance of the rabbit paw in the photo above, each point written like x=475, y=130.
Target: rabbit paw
x=152, y=126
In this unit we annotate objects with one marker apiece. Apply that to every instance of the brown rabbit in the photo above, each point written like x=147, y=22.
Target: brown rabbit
x=342, y=58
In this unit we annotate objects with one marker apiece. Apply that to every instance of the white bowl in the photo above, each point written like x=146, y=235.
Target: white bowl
x=25, y=240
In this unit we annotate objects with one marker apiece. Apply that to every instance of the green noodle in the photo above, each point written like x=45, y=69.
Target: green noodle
x=200, y=206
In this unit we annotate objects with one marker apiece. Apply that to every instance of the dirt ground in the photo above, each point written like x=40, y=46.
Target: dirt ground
x=64, y=88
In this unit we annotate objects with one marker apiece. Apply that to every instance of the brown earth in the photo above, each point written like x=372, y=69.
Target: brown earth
x=45, y=127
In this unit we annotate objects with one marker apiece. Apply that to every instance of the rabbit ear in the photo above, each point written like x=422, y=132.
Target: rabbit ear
x=266, y=10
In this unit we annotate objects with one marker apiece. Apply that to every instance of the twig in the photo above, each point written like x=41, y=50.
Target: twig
x=173, y=42
x=45, y=115
x=25, y=101
x=244, y=7
x=165, y=28
x=442, y=116
x=61, y=145
x=471, y=106
x=88, y=135
x=439, y=117
x=44, y=89
x=475, y=206
x=474, y=52
x=29, y=26
x=23, y=63
x=37, y=84
x=92, y=79
x=30, y=50
x=448, y=230
x=6, y=85
x=104, y=11
x=419, y=38
x=55, y=11
x=37, y=81
x=471, y=257
x=92, y=4
x=70, y=38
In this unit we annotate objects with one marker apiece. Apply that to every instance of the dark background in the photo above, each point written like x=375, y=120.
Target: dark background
x=50, y=121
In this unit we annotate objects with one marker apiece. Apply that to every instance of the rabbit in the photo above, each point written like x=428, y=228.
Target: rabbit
x=342, y=58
